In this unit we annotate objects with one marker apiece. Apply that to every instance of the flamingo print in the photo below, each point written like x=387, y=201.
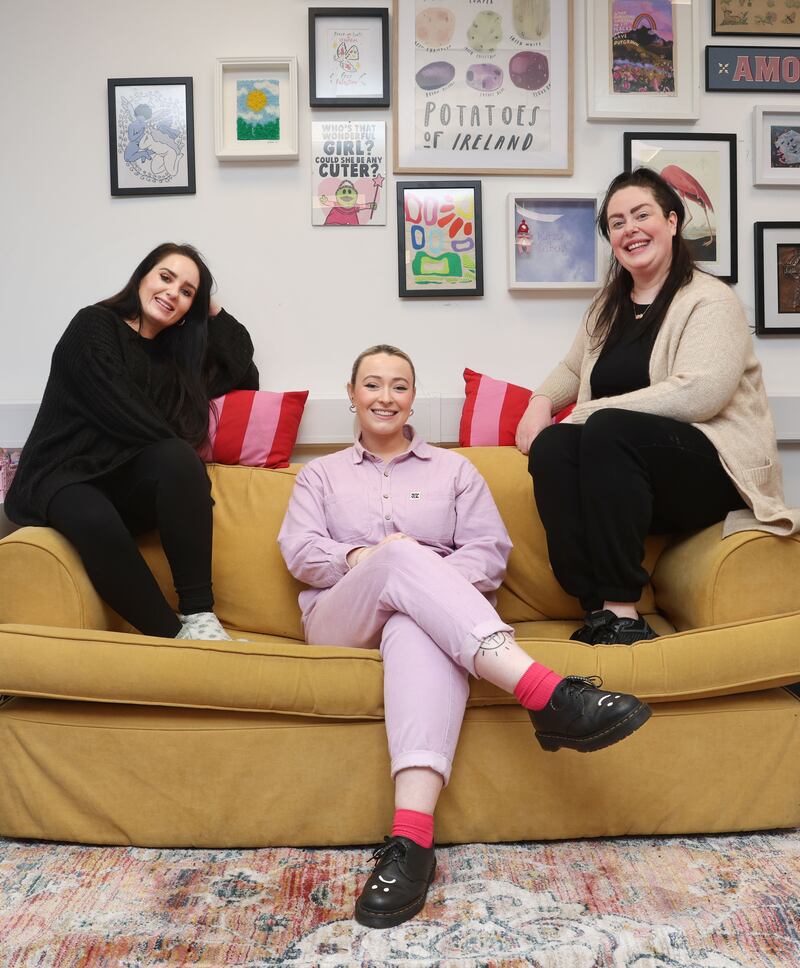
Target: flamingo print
x=690, y=189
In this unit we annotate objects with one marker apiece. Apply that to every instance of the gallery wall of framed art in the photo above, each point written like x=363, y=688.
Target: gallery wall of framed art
x=295, y=205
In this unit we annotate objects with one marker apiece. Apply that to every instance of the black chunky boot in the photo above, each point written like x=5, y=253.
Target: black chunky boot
x=395, y=891
x=580, y=716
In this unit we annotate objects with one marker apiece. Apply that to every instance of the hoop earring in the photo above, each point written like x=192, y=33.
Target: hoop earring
x=352, y=408
x=182, y=322
x=411, y=412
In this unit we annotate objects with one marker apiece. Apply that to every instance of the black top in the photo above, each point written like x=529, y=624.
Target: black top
x=623, y=364
x=106, y=398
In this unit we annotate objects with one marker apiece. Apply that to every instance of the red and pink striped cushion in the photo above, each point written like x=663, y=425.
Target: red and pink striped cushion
x=492, y=410
x=254, y=427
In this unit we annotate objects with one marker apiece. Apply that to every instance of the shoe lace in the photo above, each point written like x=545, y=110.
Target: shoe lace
x=582, y=683
x=391, y=846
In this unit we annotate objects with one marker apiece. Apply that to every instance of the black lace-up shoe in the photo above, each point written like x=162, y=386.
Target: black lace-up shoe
x=581, y=716
x=395, y=891
x=592, y=624
x=623, y=631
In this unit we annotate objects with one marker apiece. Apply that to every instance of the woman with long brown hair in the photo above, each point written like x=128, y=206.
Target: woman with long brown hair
x=671, y=430
x=112, y=452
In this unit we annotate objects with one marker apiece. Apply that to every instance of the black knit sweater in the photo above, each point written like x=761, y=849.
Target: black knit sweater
x=106, y=399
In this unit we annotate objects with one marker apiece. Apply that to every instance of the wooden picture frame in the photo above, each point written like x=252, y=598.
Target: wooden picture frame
x=348, y=57
x=638, y=74
x=255, y=108
x=777, y=278
x=552, y=242
x=702, y=170
x=151, y=136
x=484, y=90
x=439, y=239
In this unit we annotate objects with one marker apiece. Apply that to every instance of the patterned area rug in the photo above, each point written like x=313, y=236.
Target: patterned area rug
x=693, y=902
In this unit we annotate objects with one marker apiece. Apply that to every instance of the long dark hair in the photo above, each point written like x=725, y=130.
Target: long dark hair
x=612, y=305
x=185, y=344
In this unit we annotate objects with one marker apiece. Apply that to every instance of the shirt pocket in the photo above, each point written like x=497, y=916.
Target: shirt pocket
x=431, y=517
x=347, y=518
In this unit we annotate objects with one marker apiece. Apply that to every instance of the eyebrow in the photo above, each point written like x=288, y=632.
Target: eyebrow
x=394, y=379
x=634, y=209
x=174, y=276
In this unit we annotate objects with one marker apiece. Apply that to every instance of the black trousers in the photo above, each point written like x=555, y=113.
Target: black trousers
x=165, y=487
x=603, y=486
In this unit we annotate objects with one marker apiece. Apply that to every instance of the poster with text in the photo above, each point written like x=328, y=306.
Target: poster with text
x=348, y=172
x=483, y=86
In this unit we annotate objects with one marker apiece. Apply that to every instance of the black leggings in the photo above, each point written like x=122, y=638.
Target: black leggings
x=165, y=487
x=601, y=487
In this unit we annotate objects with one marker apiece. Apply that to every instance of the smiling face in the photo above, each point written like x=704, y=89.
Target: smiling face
x=166, y=293
x=640, y=234
x=346, y=195
x=383, y=394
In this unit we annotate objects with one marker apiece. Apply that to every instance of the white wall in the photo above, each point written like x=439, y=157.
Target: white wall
x=312, y=297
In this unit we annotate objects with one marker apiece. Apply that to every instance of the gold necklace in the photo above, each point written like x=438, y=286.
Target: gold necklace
x=643, y=313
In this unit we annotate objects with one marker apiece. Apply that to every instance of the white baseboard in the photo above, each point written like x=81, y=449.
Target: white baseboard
x=327, y=420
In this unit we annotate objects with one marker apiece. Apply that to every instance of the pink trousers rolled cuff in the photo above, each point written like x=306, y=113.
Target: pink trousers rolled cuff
x=428, y=621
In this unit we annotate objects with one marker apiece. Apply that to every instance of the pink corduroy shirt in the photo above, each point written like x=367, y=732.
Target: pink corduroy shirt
x=352, y=499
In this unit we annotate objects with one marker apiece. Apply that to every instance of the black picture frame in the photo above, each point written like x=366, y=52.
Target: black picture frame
x=316, y=72
x=696, y=199
x=772, y=268
x=718, y=24
x=158, y=111
x=439, y=215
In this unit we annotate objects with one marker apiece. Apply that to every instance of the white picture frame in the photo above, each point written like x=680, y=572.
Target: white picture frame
x=776, y=162
x=245, y=131
x=559, y=248
x=502, y=106
x=606, y=104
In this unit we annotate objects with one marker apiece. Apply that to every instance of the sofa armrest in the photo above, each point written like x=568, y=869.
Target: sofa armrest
x=704, y=580
x=43, y=582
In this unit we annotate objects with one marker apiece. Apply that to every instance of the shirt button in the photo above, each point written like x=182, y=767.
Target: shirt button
x=385, y=473
x=388, y=517
x=386, y=497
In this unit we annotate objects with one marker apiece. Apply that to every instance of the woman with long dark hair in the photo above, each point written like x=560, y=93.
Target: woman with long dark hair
x=671, y=430
x=112, y=452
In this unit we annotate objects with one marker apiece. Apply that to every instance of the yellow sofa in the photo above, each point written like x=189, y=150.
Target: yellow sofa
x=107, y=736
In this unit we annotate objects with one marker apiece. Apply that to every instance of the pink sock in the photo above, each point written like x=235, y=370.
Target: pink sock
x=414, y=825
x=536, y=686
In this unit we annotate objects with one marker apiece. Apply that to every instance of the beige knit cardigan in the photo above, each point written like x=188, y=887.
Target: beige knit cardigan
x=703, y=371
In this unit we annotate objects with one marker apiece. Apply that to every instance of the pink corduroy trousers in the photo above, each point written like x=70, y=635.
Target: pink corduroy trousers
x=428, y=622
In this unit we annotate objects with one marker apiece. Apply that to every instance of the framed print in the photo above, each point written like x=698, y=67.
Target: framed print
x=702, y=170
x=255, y=108
x=776, y=145
x=777, y=251
x=757, y=18
x=348, y=172
x=439, y=238
x=642, y=60
x=553, y=242
x=348, y=57
x=484, y=88
x=772, y=69
x=151, y=135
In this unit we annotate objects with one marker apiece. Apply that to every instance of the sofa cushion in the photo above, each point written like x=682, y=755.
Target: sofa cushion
x=492, y=409
x=274, y=675
x=257, y=428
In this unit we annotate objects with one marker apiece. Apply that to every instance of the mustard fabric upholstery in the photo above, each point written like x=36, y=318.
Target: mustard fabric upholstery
x=115, y=737
x=161, y=777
